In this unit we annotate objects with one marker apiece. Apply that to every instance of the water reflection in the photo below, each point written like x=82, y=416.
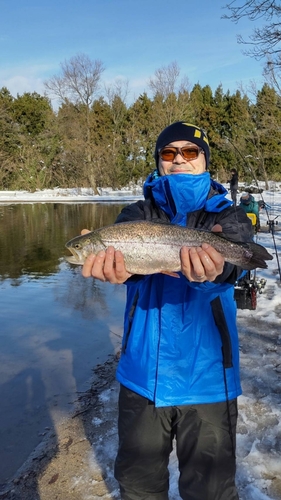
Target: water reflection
x=55, y=325
x=32, y=237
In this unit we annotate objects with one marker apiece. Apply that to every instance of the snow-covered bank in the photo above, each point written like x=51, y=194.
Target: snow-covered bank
x=80, y=195
x=77, y=195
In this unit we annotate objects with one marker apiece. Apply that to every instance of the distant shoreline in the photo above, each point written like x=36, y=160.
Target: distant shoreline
x=107, y=195
x=76, y=195
x=108, y=199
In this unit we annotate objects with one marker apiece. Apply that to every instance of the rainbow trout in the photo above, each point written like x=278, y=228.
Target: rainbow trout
x=150, y=247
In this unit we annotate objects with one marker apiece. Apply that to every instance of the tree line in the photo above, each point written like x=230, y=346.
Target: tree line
x=94, y=139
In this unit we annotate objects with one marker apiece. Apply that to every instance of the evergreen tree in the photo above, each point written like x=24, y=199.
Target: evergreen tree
x=141, y=136
x=8, y=140
x=266, y=138
x=31, y=112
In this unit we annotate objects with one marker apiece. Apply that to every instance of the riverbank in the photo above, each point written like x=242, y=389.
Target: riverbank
x=72, y=195
x=75, y=460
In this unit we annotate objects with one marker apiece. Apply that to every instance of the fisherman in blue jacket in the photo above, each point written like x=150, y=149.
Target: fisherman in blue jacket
x=179, y=365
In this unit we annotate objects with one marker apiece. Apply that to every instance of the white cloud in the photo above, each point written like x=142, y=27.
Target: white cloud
x=26, y=78
x=18, y=84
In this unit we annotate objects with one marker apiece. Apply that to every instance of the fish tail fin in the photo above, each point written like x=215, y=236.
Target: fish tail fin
x=258, y=258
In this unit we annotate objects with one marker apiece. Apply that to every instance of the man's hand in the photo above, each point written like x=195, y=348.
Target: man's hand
x=106, y=265
x=202, y=263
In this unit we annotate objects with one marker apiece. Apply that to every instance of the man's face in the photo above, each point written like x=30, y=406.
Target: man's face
x=179, y=165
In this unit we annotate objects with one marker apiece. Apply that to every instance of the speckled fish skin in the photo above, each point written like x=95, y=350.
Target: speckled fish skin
x=150, y=247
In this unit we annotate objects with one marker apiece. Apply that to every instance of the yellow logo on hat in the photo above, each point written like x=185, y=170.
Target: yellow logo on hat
x=198, y=132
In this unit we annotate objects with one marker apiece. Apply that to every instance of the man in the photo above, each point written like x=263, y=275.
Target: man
x=251, y=206
x=233, y=185
x=179, y=366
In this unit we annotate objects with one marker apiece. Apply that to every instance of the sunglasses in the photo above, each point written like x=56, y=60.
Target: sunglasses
x=189, y=153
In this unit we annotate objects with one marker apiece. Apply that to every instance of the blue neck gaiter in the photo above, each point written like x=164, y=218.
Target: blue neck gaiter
x=179, y=194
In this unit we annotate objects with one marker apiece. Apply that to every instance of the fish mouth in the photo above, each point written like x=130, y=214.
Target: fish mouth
x=75, y=258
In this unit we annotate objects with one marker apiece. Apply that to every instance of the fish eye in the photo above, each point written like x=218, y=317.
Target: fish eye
x=77, y=245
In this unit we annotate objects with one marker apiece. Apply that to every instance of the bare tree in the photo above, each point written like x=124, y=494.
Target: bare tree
x=171, y=95
x=79, y=84
x=270, y=74
x=265, y=41
x=165, y=80
x=119, y=88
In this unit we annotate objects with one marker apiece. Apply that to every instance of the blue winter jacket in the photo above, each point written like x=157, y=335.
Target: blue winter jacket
x=180, y=342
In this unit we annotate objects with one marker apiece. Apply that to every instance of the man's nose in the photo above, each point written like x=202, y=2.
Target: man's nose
x=179, y=158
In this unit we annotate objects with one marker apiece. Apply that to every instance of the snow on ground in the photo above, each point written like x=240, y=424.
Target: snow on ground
x=79, y=195
x=259, y=422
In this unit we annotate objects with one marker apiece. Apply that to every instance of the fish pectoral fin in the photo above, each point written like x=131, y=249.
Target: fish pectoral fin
x=170, y=273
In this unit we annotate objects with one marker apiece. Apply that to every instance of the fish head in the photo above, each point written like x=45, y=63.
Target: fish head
x=80, y=247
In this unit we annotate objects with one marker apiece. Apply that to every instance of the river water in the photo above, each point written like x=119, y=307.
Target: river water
x=55, y=325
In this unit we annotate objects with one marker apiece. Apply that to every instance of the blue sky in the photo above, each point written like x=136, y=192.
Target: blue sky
x=132, y=38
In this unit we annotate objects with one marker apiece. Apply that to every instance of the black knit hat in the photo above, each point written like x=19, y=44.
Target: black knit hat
x=182, y=131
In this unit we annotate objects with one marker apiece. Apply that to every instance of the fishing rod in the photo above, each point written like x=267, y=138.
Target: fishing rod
x=271, y=222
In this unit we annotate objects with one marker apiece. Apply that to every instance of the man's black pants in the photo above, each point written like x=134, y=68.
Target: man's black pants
x=205, y=437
